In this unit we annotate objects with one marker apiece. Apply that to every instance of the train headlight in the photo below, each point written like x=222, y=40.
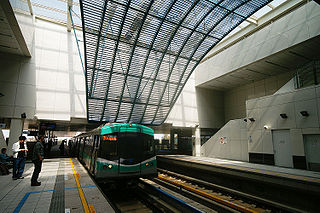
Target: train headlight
x=147, y=164
x=110, y=166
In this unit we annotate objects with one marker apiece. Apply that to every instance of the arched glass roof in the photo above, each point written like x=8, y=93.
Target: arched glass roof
x=140, y=53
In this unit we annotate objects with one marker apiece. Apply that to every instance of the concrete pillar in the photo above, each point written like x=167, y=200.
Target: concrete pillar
x=197, y=144
x=2, y=140
x=15, y=132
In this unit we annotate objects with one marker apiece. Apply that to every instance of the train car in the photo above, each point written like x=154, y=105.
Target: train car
x=117, y=151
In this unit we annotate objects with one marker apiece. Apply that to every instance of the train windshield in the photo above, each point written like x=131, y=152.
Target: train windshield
x=109, y=147
x=135, y=147
x=130, y=147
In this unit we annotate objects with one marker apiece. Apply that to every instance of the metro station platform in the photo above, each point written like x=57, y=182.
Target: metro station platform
x=291, y=187
x=65, y=187
x=296, y=174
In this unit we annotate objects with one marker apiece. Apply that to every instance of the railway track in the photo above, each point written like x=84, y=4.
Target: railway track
x=144, y=197
x=171, y=192
x=218, y=197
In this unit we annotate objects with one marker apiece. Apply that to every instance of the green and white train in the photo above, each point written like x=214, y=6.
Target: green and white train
x=117, y=151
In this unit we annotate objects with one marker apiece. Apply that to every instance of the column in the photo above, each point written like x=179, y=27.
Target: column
x=15, y=132
x=197, y=144
x=2, y=140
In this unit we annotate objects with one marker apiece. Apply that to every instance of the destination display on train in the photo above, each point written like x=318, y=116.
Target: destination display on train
x=109, y=138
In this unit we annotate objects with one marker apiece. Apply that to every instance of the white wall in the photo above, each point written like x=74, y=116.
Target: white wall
x=210, y=108
x=234, y=145
x=296, y=27
x=266, y=112
x=235, y=99
x=252, y=137
x=26, y=24
x=50, y=84
x=185, y=112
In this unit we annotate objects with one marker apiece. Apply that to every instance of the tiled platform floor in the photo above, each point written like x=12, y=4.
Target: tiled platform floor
x=63, y=189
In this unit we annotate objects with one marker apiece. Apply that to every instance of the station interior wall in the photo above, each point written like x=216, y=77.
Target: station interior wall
x=267, y=112
x=185, y=112
x=230, y=142
x=235, y=99
x=252, y=141
x=264, y=100
x=50, y=85
x=216, y=108
x=211, y=108
x=296, y=27
x=230, y=114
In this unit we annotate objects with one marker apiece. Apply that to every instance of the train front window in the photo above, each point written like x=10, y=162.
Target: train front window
x=130, y=148
x=148, y=146
x=109, y=148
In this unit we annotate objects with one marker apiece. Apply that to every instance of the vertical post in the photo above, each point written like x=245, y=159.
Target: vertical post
x=30, y=7
x=197, y=144
x=2, y=139
x=15, y=131
x=69, y=8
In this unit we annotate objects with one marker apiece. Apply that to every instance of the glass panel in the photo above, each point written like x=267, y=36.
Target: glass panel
x=130, y=150
x=164, y=34
x=308, y=74
x=109, y=147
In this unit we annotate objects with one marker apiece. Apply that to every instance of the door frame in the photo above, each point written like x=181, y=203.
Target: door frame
x=275, y=152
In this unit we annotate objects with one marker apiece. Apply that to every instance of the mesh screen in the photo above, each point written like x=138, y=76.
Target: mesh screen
x=140, y=53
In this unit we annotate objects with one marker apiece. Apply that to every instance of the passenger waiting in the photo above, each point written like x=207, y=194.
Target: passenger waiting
x=5, y=162
x=5, y=159
x=19, y=158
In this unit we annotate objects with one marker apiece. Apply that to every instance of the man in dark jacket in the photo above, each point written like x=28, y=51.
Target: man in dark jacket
x=37, y=158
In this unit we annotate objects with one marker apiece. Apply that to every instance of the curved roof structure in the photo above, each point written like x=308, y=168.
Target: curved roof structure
x=140, y=53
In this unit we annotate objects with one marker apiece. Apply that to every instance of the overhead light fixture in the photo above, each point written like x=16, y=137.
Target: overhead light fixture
x=283, y=115
x=266, y=127
x=251, y=119
x=304, y=113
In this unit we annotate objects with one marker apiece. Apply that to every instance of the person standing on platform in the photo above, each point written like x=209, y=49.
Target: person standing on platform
x=19, y=157
x=37, y=158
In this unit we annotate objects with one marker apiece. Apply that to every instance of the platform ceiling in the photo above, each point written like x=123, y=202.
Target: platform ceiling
x=139, y=54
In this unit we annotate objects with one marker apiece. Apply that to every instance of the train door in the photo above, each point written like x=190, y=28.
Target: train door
x=96, y=145
x=87, y=151
x=77, y=146
x=81, y=148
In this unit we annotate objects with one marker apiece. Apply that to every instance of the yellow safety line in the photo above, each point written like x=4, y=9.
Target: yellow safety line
x=92, y=210
x=82, y=197
x=210, y=196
